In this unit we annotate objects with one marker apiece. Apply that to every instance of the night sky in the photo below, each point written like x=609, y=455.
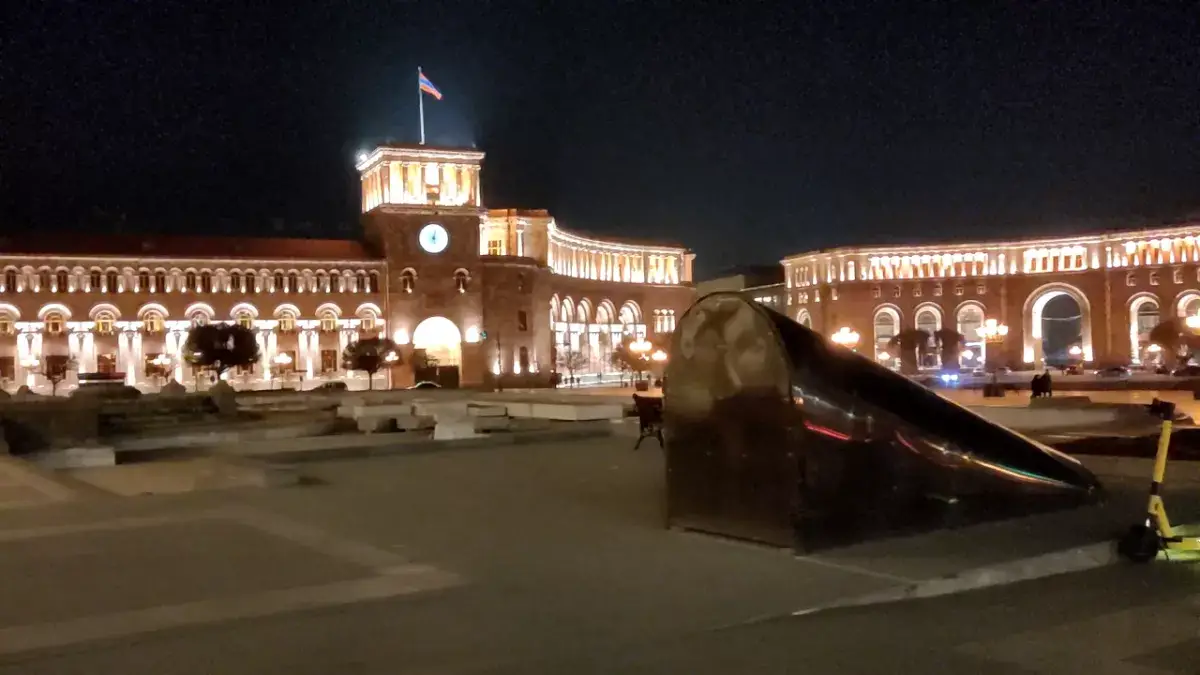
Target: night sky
x=746, y=130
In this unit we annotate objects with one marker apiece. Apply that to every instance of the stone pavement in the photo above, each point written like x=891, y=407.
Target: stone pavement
x=22, y=485
x=1127, y=620
x=484, y=560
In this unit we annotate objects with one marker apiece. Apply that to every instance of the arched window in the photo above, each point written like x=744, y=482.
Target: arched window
x=251, y=283
x=54, y=323
x=322, y=282
x=408, y=281
x=62, y=281
x=105, y=322
x=199, y=318
x=278, y=288
x=94, y=279
x=189, y=281
x=287, y=322
x=887, y=324
x=293, y=283
x=360, y=282
x=152, y=322
x=206, y=282
x=460, y=281
x=367, y=321
x=10, y=281
x=160, y=282
x=235, y=283
x=373, y=282
x=245, y=319
x=111, y=285
x=8, y=323
x=329, y=321
x=144, y=281
x=44, y=281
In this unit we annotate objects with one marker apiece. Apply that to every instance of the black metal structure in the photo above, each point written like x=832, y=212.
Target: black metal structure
x=776, y=435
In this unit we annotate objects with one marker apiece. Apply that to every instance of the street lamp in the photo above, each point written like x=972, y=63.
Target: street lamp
x=1075, y=350
x=1192, y=322
x=640, y=346
x=991, y=331
x=1154, y=348
x=659, y=356
x=391, y=357
x=161, y=362
x=844, y=337
x=884, y=356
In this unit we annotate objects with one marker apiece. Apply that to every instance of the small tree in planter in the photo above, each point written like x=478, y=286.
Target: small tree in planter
x=571, y=360
x=55, y=368
x=912, y=344
x=370, y=355
x=219, y=347
x=951, y=343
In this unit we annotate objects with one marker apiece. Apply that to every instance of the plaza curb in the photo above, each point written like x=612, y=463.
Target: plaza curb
x=379, y=445
x=1077, y=559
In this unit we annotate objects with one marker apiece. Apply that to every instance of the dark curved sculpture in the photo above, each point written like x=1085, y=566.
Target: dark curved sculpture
x=776, y=435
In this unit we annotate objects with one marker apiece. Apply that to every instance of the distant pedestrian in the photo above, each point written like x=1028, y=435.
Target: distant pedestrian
x=1047, y=385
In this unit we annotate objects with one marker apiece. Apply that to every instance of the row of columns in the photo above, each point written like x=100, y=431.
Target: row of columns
x=133, y=348
x=610, y=266
x=410, y=183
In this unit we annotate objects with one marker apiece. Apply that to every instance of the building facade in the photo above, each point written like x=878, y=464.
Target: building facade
x=1123, y=283
x=485, y=294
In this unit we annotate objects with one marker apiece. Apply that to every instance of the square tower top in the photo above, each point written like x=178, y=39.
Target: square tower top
x=420, y=178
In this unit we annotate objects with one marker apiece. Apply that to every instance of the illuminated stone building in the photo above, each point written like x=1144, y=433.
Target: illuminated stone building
x=475, y=292
x=1123, y=283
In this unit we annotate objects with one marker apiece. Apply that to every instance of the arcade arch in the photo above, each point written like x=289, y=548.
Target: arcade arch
x=968, y=319
x=1033, y=322
x=887, y=326
x=1143, y=317
x=441, y=340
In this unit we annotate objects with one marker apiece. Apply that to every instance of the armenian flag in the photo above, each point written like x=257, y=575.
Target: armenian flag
x=426, y=86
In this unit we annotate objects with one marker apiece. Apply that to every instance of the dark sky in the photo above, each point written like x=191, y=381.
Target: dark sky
x=747, y=130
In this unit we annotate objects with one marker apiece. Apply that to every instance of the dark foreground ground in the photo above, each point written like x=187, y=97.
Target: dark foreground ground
x=538, y=559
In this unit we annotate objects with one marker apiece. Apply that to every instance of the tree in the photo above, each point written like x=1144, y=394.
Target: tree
x=912, y=344
x=220, y=347
x=571, y=360
x=1176, y=340
x=55, y=368
x=370, y=355
x=950, y=342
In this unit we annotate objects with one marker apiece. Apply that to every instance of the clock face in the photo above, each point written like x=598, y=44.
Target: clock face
x=434, y=238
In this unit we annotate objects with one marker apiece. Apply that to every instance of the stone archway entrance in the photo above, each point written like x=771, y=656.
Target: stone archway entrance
x=1057, y=323
x=441, y=342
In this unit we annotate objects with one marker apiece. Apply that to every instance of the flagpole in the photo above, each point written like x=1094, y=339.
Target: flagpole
x=421, y=105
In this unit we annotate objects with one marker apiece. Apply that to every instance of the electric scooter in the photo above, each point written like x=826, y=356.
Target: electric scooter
x=1146, y=539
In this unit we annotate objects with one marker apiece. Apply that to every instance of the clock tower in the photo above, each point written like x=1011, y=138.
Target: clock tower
x=421, y=212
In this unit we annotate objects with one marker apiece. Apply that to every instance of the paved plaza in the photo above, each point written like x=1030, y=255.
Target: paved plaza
x=540, y=558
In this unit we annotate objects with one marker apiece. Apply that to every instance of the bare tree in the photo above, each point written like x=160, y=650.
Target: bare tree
x=571, y=360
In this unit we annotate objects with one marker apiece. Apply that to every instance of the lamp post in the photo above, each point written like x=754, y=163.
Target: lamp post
x=992, y=333
x=161, y=363
x=844, y=337
x=641, y=347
